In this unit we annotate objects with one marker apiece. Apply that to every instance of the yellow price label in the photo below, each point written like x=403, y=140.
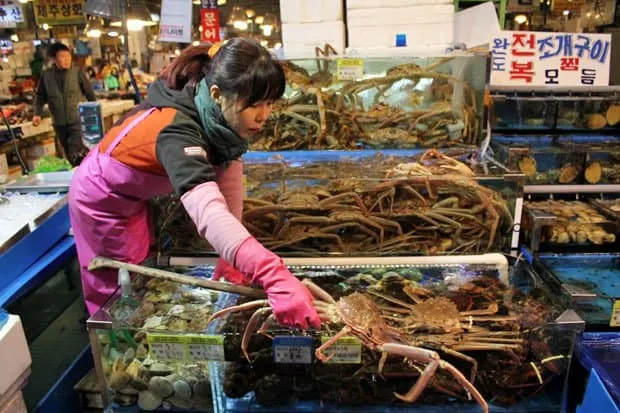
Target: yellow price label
x=615, y=315
x=205, y=347
x=167, y=347
x=349, y=69
x=347, y=350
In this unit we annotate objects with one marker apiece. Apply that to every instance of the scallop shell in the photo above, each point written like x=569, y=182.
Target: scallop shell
x=568, y=173
x=593, y=173
x=596, y=121
x=527, y=165
x=613, y=115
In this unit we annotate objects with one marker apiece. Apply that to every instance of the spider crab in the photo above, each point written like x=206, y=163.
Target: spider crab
x=362, y=318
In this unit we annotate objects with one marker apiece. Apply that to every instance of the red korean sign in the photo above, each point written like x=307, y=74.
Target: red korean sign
x=210, y=22
x=550, y=59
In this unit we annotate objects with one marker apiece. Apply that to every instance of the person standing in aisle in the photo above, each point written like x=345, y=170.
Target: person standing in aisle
x=62, y=87
x=188, y=136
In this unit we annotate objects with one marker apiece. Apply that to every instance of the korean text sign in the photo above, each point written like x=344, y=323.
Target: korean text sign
x=550, y=59
x=11, y=13
x=59, y=12
x=210, y=21
x=176, y=21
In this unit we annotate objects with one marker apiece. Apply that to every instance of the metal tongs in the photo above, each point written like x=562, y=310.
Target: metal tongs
x=101, y=262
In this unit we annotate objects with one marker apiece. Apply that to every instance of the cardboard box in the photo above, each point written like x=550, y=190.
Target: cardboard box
x=310, y=11
x=47, y=147
x=4, y=165
x=300, y=39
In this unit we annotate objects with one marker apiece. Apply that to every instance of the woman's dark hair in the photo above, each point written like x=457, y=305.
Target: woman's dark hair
x=53, y=50
x=241, y=68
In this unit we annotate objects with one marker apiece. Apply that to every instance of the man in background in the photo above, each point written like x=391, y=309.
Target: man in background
x=62, y=87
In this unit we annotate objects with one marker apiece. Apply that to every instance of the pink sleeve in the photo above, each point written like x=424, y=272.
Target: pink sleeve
x=230, y=181
x=207, y=207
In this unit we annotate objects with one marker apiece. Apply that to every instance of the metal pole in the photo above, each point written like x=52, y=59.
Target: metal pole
x=123, y=4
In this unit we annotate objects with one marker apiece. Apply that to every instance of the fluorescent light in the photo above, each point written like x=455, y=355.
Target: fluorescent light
x=520, y=18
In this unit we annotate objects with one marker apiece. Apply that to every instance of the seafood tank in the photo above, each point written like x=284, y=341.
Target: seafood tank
x=594, y=292
x=555, y=110
x=136, y=337
x=503, y=338
x=563, y=225
x=566, y=159
x=374, y=103
x=323, y=203
x=502, y=335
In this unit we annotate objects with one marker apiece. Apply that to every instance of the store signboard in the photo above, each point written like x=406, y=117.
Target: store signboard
x=176, y=21
x=210, y=22
x=550, y=59
x=59, y=12
x=11, y=13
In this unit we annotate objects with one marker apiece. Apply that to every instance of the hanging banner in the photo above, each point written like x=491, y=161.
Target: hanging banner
x=59, y=12
x=550, y=59
x=210, y=22
x=11, y=13
x=176, y=21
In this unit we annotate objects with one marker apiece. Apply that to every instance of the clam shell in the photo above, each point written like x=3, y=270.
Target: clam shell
x=613, y=115
x=593, y=173
x=527, y=165
x=596, y=121
x=568, y=174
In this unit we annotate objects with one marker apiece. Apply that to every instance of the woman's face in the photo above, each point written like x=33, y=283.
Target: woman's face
x=245, y=122
x=249, y=121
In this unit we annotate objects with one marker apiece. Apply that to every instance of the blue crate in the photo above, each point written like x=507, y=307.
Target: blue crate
x=33, y=246
x=599, y=353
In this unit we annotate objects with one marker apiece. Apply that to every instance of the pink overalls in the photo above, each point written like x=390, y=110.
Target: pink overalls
x=108, y=207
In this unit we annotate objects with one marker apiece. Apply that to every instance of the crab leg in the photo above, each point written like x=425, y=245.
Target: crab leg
x=235, y=308
x=434, y=361
x=249, y=329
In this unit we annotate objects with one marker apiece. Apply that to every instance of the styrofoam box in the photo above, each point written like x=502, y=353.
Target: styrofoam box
x=310, y=11
x=371, y=4
x=433, y=50
x=400, y=15
x=14, y=354
x=300, y=39
x=438, y=34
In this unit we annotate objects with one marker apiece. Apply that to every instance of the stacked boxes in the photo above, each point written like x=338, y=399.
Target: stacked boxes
x=307, y=24
x=415, y=25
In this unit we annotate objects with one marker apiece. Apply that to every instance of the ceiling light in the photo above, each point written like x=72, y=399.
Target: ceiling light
x=221, y=2
x=250, y=13
x=94, y=26
x=112, y=33
x=588, y=15
x=264, y=43
x=259, y=19
x=598, y=16
x=14, y=38
x=566, y=12
x=277, y=45
x=237, y=18
x=521, y=18
x=155, y=17
x=138, y=16
x=46, y=26
x=195, y=43
x=23, y=1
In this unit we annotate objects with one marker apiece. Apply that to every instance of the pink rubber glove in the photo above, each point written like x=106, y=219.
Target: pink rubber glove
x=291, y=302
x=230, y=181
x=229, y=273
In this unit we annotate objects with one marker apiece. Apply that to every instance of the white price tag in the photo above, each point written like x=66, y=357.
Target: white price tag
x=349, y=69
x=615, y=315
x=205, y=348
x=292, y=350
x=167, y=347
x=347, y=350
